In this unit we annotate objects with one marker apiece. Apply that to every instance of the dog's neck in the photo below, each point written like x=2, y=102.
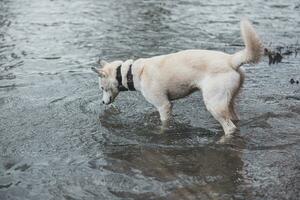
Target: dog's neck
x=128, y=79
x=132, y=68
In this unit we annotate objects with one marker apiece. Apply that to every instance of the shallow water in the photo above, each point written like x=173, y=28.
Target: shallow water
x=58, y=142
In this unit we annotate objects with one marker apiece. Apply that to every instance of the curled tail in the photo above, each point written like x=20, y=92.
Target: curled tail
x=254, y=48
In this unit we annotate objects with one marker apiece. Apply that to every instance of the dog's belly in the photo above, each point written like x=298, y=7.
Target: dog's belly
x=180, y=92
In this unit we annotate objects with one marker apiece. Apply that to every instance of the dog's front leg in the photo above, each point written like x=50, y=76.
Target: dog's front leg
x=162, y=103
x=165, y=111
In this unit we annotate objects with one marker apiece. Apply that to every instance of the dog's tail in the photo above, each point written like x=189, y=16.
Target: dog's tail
x=254, y=48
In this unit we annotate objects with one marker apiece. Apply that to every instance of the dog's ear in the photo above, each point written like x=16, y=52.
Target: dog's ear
x=100, y=72
x=102, y=62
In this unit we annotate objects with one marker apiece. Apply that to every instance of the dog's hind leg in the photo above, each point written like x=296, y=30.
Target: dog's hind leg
x=235, y=92
x=221, y=113
x=233, y=115
x=217, y=97
x=220, y=110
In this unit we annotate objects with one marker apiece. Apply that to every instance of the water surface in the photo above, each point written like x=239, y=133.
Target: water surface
x=58, y=142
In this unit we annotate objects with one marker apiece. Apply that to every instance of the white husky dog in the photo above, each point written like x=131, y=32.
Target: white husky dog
x=164, y=78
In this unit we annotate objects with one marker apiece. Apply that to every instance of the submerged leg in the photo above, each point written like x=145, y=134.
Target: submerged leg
x=222, y=114
x=165, y=111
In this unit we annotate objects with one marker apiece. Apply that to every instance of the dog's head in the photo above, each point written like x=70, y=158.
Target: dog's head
x=107, y=80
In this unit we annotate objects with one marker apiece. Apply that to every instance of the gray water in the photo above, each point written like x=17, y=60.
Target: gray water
x=58, y=142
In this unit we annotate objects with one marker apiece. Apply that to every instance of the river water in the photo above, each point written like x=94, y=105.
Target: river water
x=57, y=141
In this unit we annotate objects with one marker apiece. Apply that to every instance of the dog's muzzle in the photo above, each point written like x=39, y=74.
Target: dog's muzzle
x=107, y=103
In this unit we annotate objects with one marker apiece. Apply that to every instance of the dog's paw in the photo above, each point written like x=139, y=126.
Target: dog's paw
x=230, y=130
x=224, y=139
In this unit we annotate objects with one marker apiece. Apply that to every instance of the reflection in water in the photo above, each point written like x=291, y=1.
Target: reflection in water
x=184, y=166
x=183, y=173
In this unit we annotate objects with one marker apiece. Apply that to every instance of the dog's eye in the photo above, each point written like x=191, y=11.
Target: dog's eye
x=102, y=88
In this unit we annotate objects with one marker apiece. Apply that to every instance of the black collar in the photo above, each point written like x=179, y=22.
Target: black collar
x=130, y=83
